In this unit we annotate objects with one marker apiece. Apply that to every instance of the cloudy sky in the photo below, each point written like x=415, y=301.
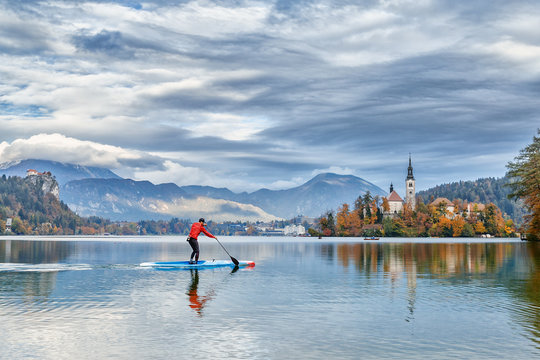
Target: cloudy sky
x=251, y=94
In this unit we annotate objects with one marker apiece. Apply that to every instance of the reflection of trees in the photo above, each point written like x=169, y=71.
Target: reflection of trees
x=436, y=259
x=527, y=290
x=33, y=252
x=514, y=265
x=31, y=286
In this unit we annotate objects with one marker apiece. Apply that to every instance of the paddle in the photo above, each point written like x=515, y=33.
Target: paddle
x=233, y=259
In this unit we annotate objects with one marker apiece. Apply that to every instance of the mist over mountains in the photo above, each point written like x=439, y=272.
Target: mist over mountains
x=92, y=191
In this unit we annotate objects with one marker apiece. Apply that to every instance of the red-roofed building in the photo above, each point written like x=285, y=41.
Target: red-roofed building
x=395, y=202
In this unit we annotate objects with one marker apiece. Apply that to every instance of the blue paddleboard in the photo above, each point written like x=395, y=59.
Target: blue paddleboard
x=201, y=264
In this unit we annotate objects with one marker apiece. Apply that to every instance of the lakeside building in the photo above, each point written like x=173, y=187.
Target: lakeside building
x=8, y=225
x=294, y=230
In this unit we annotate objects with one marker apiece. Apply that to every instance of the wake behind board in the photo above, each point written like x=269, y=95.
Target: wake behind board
x=201, y=264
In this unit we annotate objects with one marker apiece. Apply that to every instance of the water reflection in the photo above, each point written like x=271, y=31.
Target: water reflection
x=196, y=301
x=513, y=266
x=528, y=293
x=31, y=286
x=450, y=259
x=28, y=286
x=34, y=252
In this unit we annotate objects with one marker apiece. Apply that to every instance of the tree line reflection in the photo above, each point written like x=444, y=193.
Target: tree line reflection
x=34, y=252
x=515, y=266
x=427, y=258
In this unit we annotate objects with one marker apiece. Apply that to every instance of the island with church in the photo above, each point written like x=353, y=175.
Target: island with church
x=391, y=216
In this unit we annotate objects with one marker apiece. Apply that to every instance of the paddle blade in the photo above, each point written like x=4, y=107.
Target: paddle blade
x=223, y=247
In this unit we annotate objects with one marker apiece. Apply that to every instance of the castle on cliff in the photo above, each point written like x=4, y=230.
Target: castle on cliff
x=44, y=180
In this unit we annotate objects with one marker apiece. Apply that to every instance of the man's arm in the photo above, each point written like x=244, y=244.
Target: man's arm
x=206, y=232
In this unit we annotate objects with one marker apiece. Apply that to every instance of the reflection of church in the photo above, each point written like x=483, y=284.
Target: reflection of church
x=395, y=202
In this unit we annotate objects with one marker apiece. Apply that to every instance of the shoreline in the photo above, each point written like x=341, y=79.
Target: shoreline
x=261, y=239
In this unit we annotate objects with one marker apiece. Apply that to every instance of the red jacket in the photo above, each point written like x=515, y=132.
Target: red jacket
x=196, y=229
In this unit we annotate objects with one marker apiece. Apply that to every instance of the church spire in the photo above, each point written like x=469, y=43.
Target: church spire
x=409, y=170
x=391, y=187
x=410, y=197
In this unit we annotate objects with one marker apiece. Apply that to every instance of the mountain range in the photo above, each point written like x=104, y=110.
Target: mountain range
x=94, y=191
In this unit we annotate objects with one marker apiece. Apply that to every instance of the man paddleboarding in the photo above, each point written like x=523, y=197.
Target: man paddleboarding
x=196, y=229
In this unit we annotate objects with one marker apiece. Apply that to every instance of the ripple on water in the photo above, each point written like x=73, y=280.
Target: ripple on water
x=41, y=268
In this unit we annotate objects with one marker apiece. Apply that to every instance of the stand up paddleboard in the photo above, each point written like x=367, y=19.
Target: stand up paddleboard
x=202, y=264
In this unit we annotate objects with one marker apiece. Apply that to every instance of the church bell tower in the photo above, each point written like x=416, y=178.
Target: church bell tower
x=410, y=197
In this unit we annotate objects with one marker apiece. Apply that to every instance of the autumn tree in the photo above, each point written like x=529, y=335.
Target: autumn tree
x=385, y=205
x=458, y=224
x=343, y=221
x=525, y=184
x=356, y=221
x=327, y=224
x=393, y=227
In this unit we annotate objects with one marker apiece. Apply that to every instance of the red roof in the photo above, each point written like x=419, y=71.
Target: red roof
x=394, y=197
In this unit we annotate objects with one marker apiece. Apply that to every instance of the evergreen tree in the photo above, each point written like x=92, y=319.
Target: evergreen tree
x=525, y=175
x=359, y=207
x=367, y=199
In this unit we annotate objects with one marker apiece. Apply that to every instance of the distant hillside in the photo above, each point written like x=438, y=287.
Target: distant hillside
x=324, y=192
x=487, y=190
x=62, y=172
x=33, y=210
x=124, y=199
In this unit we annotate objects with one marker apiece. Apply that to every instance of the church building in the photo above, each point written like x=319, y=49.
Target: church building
x=395, y=202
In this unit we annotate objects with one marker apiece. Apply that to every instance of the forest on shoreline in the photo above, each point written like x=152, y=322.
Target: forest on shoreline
x=369, y=216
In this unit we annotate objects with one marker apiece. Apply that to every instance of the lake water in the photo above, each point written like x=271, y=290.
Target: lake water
x=88, y=298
